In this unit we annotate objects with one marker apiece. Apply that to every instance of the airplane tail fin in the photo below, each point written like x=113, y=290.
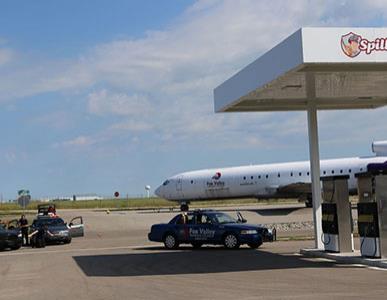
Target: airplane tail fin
x=379, y=148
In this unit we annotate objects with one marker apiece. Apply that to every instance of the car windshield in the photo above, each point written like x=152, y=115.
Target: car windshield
x=222, y=218
x=50, y=222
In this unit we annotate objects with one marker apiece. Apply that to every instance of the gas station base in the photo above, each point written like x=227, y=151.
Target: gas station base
x=353, y=258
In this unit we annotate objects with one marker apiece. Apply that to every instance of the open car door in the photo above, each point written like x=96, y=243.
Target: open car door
x=13, y=224
x=76, y=227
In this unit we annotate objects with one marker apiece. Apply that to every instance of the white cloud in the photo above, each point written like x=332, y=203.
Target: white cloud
x=6, y=56
x=10, y=157
x=132, y=126
x=104, y=102
x=168, y=75
x=80, y=141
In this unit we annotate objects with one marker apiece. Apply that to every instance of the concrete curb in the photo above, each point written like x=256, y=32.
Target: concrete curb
x=346, y=258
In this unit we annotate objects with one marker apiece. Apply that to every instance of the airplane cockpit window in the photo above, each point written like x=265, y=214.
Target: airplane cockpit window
x=165, y=182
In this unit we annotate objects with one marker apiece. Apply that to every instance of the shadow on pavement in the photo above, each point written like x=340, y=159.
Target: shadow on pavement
x=204, y=261
x=280, y=211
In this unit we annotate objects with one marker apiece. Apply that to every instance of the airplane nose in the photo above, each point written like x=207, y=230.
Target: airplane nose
x=159, y=192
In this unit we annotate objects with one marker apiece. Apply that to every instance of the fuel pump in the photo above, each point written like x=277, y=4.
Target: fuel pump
x=337, y=222
x=372, y=211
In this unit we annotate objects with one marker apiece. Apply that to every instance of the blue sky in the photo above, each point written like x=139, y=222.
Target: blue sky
x=99, y=96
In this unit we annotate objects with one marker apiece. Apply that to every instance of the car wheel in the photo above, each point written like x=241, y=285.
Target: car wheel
x=16, y=247
x=254, y=245
x=196, y=245
x=170, y=241
x=230, y=241
x=68, y=241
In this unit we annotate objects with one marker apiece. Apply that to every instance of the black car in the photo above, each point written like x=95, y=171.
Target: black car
x=10, y=238
x=56, y=226
x=61, y=231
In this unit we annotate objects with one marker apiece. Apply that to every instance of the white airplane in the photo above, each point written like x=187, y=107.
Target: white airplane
x=282, y=180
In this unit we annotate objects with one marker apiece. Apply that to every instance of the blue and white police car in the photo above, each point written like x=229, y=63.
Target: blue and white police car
x=209, y=227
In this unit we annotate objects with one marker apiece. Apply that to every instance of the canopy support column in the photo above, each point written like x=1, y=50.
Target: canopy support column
x=314, y=157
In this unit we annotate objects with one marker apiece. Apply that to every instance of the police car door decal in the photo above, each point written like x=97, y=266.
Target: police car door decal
x=202, y=231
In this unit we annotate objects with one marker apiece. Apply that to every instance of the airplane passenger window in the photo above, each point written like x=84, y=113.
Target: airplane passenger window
x=244, y=177
x=191, y=181
x=300, y=174
x=279, y=175
x=333, y=172
x=307, y=173
x=252, y=177
x=341, y=171
x=291, y=174
x=267, y=176
x=325, y=172
x=259, y=176
x=361, y=169
x=349, y=170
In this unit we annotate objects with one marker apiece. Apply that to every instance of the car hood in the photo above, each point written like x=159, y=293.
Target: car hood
x=58, y=228
x=12, y=232
x=242, y=226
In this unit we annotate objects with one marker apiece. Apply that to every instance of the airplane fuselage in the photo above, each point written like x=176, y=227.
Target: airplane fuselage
x=258, y=181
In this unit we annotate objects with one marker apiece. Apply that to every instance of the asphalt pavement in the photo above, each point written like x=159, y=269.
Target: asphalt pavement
x=115, y=261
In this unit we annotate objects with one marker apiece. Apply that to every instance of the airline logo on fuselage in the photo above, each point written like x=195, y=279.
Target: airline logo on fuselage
x=215, y=181
x=353, y=44
x=217, y=176
x=215, y=184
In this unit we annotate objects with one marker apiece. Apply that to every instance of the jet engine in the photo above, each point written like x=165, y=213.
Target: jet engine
x=379, y=148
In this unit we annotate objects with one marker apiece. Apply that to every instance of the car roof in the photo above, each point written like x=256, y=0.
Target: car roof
x=204, y=211
x=46, y=218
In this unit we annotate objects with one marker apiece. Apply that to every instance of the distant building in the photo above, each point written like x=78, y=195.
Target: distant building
x=80, y=197
x=86, y=197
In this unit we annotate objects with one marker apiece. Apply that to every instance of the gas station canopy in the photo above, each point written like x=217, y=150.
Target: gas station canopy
x=349, y=66
x=314, y=68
